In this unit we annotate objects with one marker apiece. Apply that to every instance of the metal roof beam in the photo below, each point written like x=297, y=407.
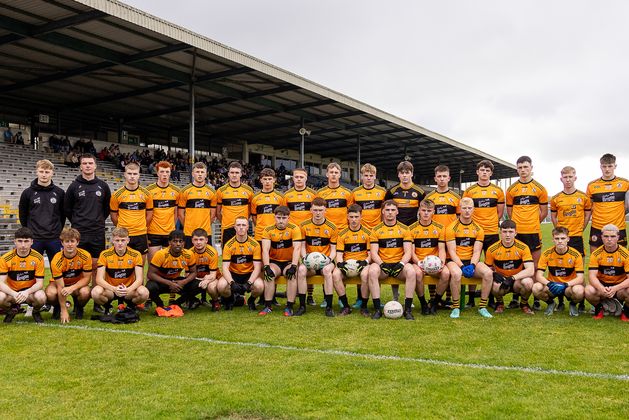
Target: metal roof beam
x=315, y=132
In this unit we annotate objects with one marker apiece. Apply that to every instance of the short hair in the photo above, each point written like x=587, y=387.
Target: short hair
x=354, y=208
x=607, y=158
x=485, y=163
x=45, y=164
x=508, y=224
x=163, y=164
x=199, y=165
x=427, y=203
x=175, y=234
x=567, y=169
x=560, y=230
x=282, y=210
x=132, y=165
x=466, y=200
x=404, y=166
x=610, y=228
x=119, y=232
x=318, y=201
x=300, y=170
x=69, y=233
x=442, y=168
x=23, y=233
x=368, y=168
x=200, y=232
x=235, y=164
x=523, y=159
x=333, y=165
x=87, y=156
x=389, y=203
x=241, y=218
x=267, y=172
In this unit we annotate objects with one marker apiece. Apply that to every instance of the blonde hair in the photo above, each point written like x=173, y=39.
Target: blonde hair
x=45, y=164
x=120, y=232
x=368, y=168
x=568, y=169
x=466, y=200
x=334, y=165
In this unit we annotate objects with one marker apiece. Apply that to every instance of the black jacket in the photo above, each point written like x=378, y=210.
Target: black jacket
x=42, y=210
x=87, y=205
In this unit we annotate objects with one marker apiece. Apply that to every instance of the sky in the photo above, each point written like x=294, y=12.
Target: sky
x=545, y=79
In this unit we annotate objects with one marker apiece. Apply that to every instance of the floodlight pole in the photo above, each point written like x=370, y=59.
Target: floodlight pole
x=302, y=146
x=358, y=158
x=192, y=110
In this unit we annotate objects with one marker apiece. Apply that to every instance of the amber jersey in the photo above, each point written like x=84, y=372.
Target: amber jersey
x=561, y=267
x=319, y=238
x=283, y=241
x=337, y=200
x=408, y=202
x=171, y=267
x=608, y=202
x=241, y=255
x=22, y=272
x=299, y=203
x=370, y=200
x=612, y=266
x=197, y=202
x=446, y=206
x=508, y=261
x=165, y=201
x=465, y=236
x=354, y=244
x=234, y=202
x=131, y=206
x=525, y=200
x=570, y=210
x=120, y=269
x=390, y=240
x=206, y=260
x=70, y=269
x=262, y=206
x=426, y=238
x=486, y=201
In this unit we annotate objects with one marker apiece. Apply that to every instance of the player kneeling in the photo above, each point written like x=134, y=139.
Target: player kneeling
x=207, y=266
x=565, y=274
x=241, y=268
x=281, y=249
x=120, y=273
x=22, y=277
x=71, y=273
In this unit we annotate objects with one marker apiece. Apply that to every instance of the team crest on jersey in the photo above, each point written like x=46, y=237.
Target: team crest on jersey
x=619, y=185
x=569, y=260
x=619, y=261
x=53, y=200
x=610, y=259
x=326, y=232
x=414, y=194
x=175, y=263
x=22, y=264
x=129, y=261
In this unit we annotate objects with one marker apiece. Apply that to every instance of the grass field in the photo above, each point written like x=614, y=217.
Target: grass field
x=238, y=365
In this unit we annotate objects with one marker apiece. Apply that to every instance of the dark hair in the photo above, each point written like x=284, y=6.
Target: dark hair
x=523, y=159
x=560, y=230
x=267, y=172
x=175, y=234
x=441, y=168
x=318, y=201
x=235, y=164
x=283, y=210
x=485, y=164
x=389, y=203
x=608, y=158
x=23, y=233
x=508, y=224
x=87, y=156
x=354, y=208
x=199, y=232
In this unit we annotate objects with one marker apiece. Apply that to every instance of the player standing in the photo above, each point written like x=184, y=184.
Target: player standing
x=232, y=201
x=165, y=198
x=197, y=204
x=264, y=203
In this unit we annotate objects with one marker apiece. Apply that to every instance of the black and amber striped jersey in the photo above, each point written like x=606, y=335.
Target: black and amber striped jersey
x=299, y=202
x=70, y=269
x=508, y=261
x=354, y=244
x=561, y=267
x=234, y=202
x=608, y=202
x=197, y=202
x=241, y=255
x=370, y=200
x=446, y=206
x=165, y=201
x=282, y=241
x=262, y=206
x=120, y=269
x=171, y=267
x=486, y=201
x=22, y=272
x=131, y=206
x=426, y=238
x=570, y=210
x=612, y=266
x=525, y=201
x=465, y=236
x=206, y=260
x=390, y=240
x=319, y=238
x=337, y=200
x=408, y=202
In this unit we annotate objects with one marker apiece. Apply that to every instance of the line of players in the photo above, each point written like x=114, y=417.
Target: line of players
x=378, y=228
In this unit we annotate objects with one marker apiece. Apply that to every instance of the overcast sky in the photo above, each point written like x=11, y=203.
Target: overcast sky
x=549, y=79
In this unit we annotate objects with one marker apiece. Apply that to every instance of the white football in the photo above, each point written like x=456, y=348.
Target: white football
x=353, y=269
x=431, y=264
x=393, y=309
x=315, y=261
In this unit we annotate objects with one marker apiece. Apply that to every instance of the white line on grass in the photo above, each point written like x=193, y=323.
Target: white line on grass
x=369, y=356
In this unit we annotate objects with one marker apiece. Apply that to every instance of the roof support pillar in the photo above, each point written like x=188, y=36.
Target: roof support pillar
x=358, y=158
x=191, y=131
x=302, y=145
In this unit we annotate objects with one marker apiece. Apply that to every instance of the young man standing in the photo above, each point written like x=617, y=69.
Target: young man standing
x=264, y=203
x=197, y=204
x=22, y=277
x=207, y=265
x=165, y=198
x=446, y=201
x=232, y=201
x=337, y=197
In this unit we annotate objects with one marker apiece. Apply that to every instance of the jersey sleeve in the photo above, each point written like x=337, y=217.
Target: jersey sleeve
x=297, y=234
x=543, y=196
x=480, y=236
x=4, y=268
x=102, y=261
x=138, y=259
x=181, y=200
x=334, y=236
x=219, y=198
x=509, y=198
x=257, y=252
x=87, y=266
x=587, y=204
x=340, y=244
x=501, y=196
x=527, y=257
x=408, y=236
x=593, y=262
x=227, y=254
x=252, y=207
x=214, y=261
x=157, y=259
x=113, y=204
x=489, y=258
x=40, y=268
x=578, y=264
x=450, y=235
x=543, y=262
x=149, y=201
x=553, y=205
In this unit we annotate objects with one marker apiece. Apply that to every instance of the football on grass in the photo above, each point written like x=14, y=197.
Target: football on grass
x=393, y=309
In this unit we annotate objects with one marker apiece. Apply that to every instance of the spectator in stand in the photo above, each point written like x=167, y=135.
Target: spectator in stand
x=8, y=136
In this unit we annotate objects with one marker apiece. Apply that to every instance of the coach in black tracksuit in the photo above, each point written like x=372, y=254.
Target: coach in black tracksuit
x=41, y=209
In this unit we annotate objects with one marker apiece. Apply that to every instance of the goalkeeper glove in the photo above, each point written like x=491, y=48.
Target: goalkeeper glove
x=557, y=288
x=269, y=275
x=507, y=283
x=468, y=270
x=343, y=267
x=361, y=265
x=396, y=269
x=292, y=270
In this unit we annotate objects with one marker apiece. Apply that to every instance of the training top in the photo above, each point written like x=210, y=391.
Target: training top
x=22, y=272
x=508, y=260
x=525, y=199
x=164, y=208
x=87, y=205
x=70, y=269
x=408, y=202
x=131, y=206
x=608, y=202
x=486, y=201
x=41, y=209
x=561, y=267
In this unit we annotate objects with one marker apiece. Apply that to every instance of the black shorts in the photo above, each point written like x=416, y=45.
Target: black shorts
x=489, y=241
x=531, y=240
x=240, y=278
x=139, y=243
x=157, y=240
x=281, y=264
x=227, y=234
x=596, y=240
x=577, y=243
x=93, y=243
